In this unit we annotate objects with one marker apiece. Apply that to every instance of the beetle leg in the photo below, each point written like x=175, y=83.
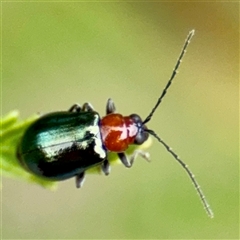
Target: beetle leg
x=140, y=153
x=124, y=159
x=129, y=163
x=87, y=107
x=106, y=167
x=80, y=179
x=110, y=108
x=75, y=108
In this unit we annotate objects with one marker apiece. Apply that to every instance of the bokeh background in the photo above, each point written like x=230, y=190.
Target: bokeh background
x=56, y=54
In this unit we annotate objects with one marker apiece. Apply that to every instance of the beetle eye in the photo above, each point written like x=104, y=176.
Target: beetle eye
x=136, y=118
x=141, y=137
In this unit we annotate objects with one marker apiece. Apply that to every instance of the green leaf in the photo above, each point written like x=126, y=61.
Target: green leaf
x=12, y=130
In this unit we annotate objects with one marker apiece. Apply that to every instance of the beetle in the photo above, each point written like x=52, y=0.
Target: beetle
x=61, y=145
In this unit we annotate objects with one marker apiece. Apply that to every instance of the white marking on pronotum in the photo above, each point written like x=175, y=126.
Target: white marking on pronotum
x=98, y=148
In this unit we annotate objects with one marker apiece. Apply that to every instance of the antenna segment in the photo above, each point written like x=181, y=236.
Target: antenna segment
x=148, y=118
x=189, y=172
x=187, y=41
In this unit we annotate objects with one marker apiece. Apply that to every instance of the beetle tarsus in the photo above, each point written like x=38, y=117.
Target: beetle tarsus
x=80, y=179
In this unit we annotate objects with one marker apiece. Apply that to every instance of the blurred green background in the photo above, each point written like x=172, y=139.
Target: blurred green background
x=56, y=54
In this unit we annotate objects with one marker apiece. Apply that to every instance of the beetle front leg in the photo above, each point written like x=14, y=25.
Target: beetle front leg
x=75, y=108
x=140, y=153
x=80, y=179
x=124, y=160
x=129, y=163
x=110, y=108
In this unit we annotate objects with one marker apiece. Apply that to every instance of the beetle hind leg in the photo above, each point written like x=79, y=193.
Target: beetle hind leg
x=106, y=167
x=75, y=108
x=80, y=179
x=129, y=162
x=144, y=155
x=87, y=107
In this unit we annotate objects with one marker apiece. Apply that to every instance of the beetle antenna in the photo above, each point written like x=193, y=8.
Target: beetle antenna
x=187, y=41
x=189, y=172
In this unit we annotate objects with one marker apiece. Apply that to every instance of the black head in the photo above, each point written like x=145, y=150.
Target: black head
x=142, y=134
